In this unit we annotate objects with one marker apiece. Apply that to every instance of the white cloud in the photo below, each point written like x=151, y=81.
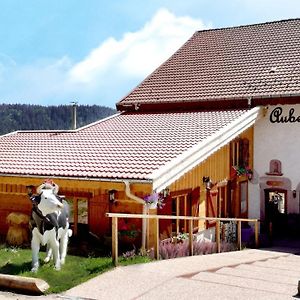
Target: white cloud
x=137, y=53
x=106, y=74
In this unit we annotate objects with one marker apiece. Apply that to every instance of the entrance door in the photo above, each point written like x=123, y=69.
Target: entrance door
x=276, y=212
x=212, y=205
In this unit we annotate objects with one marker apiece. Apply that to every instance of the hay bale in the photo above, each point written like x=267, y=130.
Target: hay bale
x=18, y=231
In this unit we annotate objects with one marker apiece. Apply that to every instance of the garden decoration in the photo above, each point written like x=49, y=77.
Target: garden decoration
x=50, y=226
x=17, y=233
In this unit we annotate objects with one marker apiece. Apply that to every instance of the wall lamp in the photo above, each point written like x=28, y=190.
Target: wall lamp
x=166, y=192
x=112, y=196
x=294, y=193
x=29, y=190
x=207, y=182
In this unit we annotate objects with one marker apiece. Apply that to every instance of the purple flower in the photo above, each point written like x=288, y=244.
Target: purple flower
x=154, y=198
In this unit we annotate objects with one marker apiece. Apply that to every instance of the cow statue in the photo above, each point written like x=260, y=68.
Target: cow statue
x=50, y=226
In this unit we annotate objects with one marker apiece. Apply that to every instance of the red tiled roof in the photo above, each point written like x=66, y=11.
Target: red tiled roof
x=125, y=146
x=259, y=60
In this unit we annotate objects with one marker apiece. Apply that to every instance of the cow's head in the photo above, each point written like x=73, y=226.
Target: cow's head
x=49, y=202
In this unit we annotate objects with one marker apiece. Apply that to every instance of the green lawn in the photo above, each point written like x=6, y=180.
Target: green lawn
x=16, y=261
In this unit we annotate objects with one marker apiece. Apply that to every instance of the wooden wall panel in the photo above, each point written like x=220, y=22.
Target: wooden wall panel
x=217, y=167
x=98, y=222
x=14, y=198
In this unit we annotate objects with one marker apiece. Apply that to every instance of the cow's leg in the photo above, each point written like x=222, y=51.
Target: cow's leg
x=63, y=245
x=48, y=253
x=35, y=248
x=54, y=244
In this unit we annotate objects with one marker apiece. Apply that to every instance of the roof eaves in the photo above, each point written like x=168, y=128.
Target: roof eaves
x=189, y=159
x=100, y=179
x=229, y=102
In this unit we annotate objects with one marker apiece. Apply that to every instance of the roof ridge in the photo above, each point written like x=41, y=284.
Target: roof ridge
x=248, y=25
x=97, y=122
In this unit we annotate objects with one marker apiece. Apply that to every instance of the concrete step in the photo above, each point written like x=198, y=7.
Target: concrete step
x=284, y=276
x=279, y=264
x=257, y=273
x=249, y=283
x=187, y=288
x=290, y=258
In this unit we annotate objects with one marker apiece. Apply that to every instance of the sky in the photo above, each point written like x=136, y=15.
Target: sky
x=54, y=52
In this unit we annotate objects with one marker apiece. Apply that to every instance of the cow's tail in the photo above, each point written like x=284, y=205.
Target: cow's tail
x=70, y=232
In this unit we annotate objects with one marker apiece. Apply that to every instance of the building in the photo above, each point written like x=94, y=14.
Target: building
x=217, y=125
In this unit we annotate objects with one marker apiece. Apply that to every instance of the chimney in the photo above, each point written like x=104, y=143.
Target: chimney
x=74, y=114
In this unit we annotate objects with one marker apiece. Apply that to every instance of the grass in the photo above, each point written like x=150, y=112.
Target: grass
x=17, y=261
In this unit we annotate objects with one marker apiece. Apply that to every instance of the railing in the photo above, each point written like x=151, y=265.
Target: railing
x=239, y=221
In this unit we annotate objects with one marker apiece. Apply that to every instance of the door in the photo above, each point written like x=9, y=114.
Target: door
x=276, y=212
x=212, y=205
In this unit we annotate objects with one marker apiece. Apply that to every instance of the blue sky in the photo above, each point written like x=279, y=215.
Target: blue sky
x=53, y=52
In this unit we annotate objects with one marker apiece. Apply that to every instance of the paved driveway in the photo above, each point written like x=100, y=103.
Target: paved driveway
x=249, y=274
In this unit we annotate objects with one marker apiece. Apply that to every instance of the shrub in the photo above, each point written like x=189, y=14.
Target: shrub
x=168, y=249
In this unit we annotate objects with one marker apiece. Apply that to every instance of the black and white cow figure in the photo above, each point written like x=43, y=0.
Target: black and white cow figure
x=50, y=225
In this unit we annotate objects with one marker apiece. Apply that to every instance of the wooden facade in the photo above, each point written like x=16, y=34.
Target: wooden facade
x=89, y=199
x=228, y=196
x=14, y=198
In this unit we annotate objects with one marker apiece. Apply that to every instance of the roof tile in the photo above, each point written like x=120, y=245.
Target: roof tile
x=129, y=145
x=237, y=62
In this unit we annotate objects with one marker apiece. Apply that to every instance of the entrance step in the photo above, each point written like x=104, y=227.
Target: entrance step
x=279, y=264
x=233, y=278
x=284, y=276
x=278, y=276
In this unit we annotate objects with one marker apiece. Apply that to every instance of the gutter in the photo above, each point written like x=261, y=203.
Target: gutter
x=115, y=180
x=145, y=210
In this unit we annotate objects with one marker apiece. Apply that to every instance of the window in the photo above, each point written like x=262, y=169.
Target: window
x=180, y=207
x=239, y=152
x=244, y=198
x=78, y=215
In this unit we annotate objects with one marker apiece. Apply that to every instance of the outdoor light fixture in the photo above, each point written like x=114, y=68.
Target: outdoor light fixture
x=30, y=189
x=207, y=181
x=112, y=196
x=294, y=193
x=166, y=192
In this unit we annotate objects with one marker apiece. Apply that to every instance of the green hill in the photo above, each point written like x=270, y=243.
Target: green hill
x=37, y=117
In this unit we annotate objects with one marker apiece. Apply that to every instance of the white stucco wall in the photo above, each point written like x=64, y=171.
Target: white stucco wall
x=276, y=136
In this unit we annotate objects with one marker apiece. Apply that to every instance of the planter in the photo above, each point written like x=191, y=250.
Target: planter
x=152, y=205
x=127, y=240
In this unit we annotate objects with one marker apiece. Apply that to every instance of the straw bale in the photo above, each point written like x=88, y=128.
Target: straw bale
x=18, y=231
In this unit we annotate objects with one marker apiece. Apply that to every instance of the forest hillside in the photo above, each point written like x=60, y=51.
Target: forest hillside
x=37, y=117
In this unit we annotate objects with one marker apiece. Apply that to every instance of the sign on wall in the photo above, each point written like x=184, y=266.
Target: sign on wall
x=279, y=115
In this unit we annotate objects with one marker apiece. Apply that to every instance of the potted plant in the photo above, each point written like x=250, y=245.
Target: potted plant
x=127, y=232
x=242, y=170
x=155, y=200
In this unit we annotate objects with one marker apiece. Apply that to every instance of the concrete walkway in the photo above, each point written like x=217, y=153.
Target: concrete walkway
x=249, y=274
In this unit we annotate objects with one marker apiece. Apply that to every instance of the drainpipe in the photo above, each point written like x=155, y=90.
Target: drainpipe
x=141, y=201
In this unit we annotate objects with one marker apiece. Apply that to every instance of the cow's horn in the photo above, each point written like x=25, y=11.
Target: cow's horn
x=39, y=189
x=55, y=188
